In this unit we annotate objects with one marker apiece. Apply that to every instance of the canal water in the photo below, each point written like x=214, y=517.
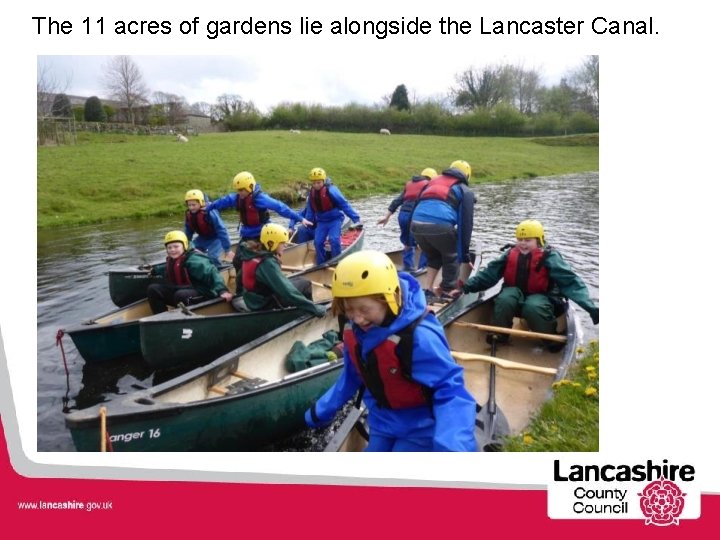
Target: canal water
x=72, y=269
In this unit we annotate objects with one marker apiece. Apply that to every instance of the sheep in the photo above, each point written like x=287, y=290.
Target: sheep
x=295, y=131
x=181, y=138
x=384, y=131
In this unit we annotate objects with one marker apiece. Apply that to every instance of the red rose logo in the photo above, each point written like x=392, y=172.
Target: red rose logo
x=662, y=502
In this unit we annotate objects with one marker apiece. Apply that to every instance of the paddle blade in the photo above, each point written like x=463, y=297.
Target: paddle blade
x=490, y=429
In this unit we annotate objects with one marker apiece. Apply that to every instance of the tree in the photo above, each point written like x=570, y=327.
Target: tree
x=484, y=87
x=525, y=88
x=124, y=81
x=94, y=111
x=586, y=80
x=170, y=107
x=399, y=99
x=48, y=86
x=61, y=106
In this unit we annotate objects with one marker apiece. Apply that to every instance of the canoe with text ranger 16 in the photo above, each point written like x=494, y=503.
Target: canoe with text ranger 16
x=244, y=400
x=509, y=381
x=116, y=334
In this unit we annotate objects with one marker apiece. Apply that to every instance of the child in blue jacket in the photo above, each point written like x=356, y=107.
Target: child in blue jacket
x=326, y=208
x=390, y=331
x=205, y=228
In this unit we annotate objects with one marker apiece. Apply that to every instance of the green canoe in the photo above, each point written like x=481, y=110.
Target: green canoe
x=243, y=400
x=116, y=334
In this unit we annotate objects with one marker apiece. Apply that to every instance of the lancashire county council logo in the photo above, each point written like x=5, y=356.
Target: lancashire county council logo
x=662, y=502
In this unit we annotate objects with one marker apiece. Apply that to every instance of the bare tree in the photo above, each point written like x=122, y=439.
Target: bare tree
x=526, y=88
x=229, y=105
x=586, y=80
x=171, y=107
x=202, y=107
x=124, y=81
x=48, y=86
x=484, y=87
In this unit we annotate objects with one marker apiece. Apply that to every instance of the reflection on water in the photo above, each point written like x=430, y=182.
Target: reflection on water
x=72, y=281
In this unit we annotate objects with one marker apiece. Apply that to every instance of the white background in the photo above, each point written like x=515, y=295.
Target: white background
x=658, y=125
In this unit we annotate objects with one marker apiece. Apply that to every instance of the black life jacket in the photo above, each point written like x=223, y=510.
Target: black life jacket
x=199, y=223
x=175, y=271
x=320, y=200
x=440, y=188
x=250, y=214
x=538, y=276
x=387, y=370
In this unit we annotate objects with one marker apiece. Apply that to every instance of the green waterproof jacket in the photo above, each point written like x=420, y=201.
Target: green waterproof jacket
x=203, y=274
x=563, y=280
x=269, y=274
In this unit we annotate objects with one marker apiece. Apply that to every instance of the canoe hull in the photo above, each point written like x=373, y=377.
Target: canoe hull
x=244, y=400
x=110, y=336
x=178, y=339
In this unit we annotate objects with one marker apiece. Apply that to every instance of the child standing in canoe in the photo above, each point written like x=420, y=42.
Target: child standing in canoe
x=253, y=207
x=190, y=276
x=212, y=235
x=326, y=208
x=406, y=202
x=536, y=282
x=396, y=349
x=264, y=284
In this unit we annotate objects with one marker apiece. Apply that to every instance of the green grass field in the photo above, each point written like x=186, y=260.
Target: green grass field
x=570, y=421
x=108, y=176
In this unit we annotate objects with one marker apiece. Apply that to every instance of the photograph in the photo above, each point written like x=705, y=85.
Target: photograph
x=483, y=200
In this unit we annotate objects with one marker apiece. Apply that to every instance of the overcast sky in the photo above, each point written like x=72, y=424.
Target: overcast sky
x=303, y=78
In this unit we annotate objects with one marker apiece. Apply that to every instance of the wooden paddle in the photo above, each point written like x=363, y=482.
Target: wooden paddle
x=513, y=331
x=505, y=364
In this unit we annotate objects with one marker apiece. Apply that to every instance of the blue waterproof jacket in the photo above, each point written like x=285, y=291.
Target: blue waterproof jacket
x=263, y=201
x=221, y=233
x=342, y=206
x=450, y=420
x=441, y=212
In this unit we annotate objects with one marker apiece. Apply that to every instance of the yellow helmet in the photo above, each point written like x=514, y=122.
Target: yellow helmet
x=531, y=228
x=463, y=167
x=317, y=174
x=272, y=235
x=176, y=236
x=244, y=180
x=429, y=173
x=365, y=273
x=196, y=195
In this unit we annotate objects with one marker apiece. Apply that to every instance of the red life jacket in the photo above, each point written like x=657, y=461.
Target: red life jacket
x=387, y=371
x=413, y=189
x=199, y=223
x=249, y=278
x=250, y=214
x=440, y=188
x=538, y=274
x=320, y=200
x=175, y=271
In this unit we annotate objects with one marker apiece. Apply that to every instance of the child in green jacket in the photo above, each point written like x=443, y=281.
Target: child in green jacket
x=536, y=282
x=264, y=284
x=190, y=276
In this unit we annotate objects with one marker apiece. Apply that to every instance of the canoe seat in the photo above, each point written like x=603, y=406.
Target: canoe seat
x=243, y=385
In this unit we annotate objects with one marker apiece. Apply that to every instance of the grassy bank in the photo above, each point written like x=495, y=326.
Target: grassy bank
x=569, y=422
x=110, y=176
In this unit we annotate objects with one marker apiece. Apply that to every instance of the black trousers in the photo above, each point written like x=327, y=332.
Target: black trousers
x=161, y=295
